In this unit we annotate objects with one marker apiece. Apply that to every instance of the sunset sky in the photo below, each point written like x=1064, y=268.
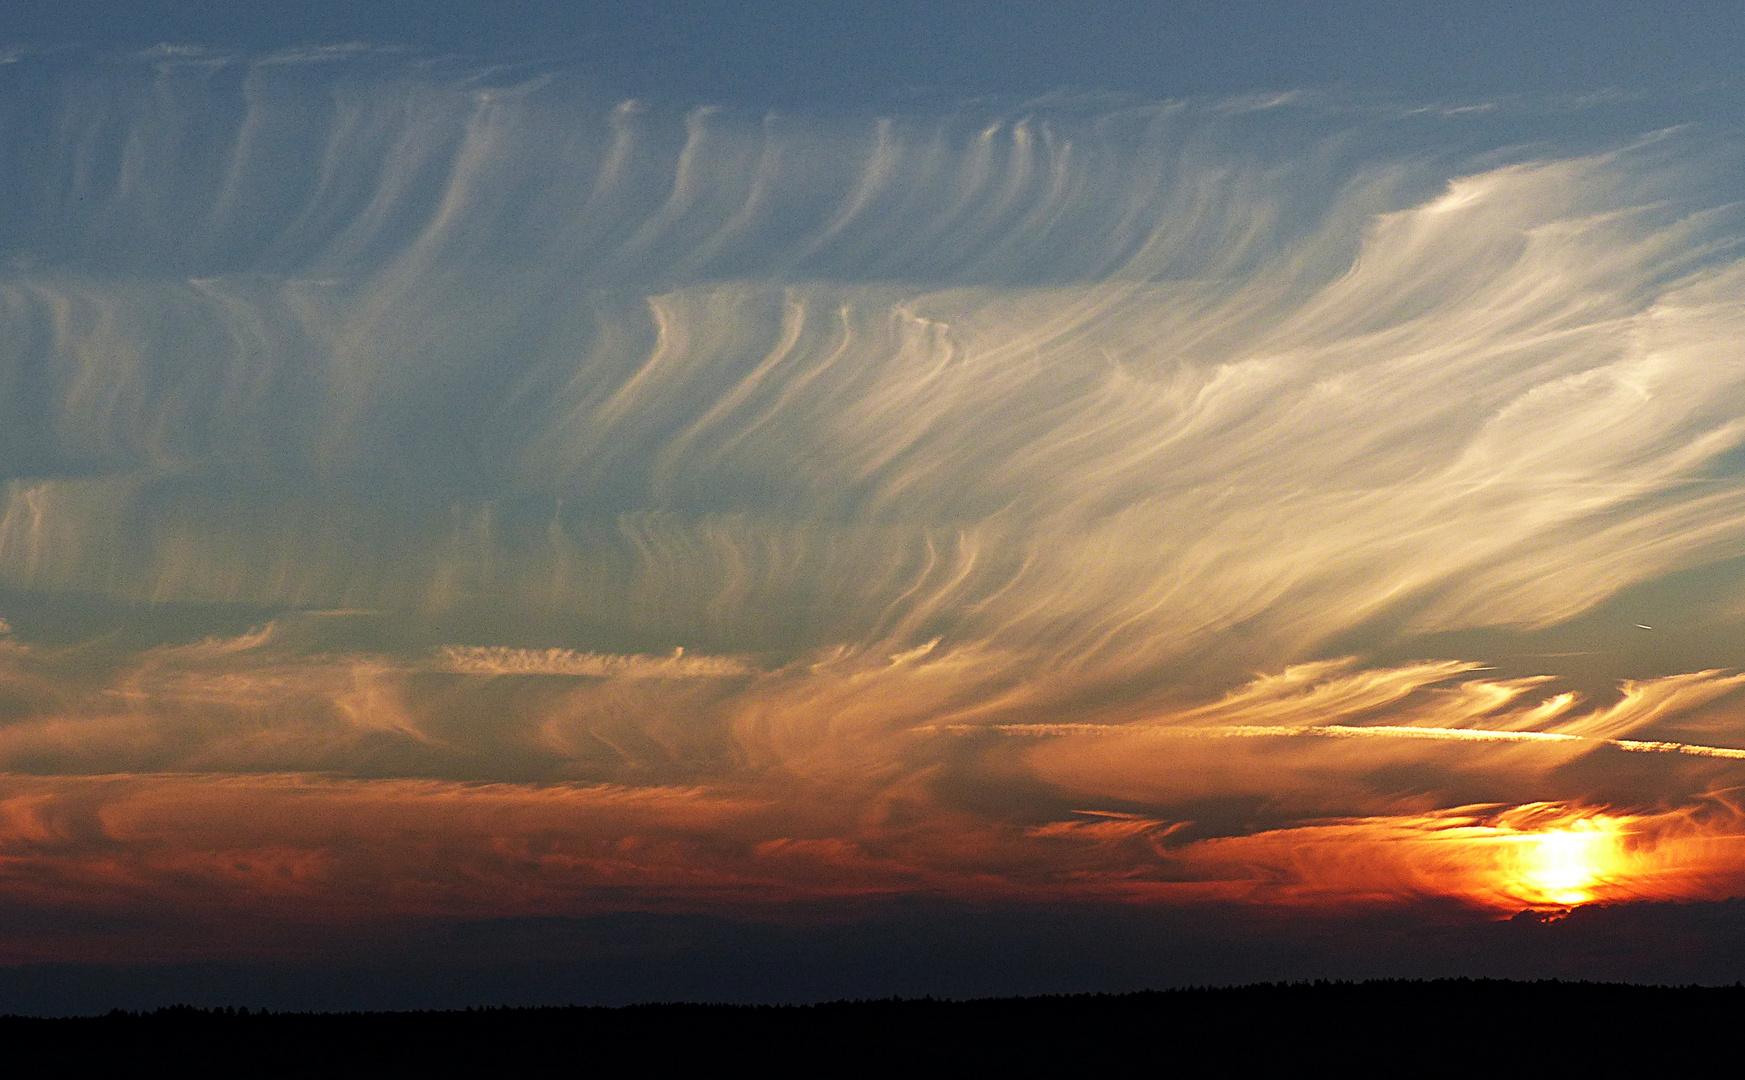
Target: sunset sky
x=528, y=473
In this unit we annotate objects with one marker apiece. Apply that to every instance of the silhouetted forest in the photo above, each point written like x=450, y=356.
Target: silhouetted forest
x=1397, y=1027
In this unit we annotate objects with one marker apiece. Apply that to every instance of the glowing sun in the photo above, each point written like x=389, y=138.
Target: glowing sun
x=1566, y=866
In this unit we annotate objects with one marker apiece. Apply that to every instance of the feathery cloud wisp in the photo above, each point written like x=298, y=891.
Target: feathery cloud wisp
x=807, y=505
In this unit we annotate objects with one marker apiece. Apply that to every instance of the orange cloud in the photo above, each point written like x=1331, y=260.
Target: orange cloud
x=1538, y=855
x=260, y=861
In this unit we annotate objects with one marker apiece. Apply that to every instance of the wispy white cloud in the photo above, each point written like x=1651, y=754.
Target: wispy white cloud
x=879, y=470
x=500, y=660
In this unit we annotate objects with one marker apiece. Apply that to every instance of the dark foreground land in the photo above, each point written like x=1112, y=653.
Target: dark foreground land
x=1436, y=1028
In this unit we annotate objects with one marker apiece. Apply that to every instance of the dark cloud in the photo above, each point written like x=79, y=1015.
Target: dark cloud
x=914, y=949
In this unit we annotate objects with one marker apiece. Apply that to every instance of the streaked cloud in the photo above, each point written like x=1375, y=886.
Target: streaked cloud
x=619, y=505
x=499, y=660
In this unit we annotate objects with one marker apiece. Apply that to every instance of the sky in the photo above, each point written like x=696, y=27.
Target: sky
x=805, y=504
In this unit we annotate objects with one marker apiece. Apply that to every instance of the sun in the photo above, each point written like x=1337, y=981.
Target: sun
x=1566, y=866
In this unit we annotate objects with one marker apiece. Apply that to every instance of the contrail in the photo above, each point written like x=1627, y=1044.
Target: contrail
x=1342, y=731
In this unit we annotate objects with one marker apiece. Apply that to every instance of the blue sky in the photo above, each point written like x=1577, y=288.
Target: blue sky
x=790, y=53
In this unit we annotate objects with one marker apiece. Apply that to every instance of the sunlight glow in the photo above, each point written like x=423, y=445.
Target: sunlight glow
x=1566, y=866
